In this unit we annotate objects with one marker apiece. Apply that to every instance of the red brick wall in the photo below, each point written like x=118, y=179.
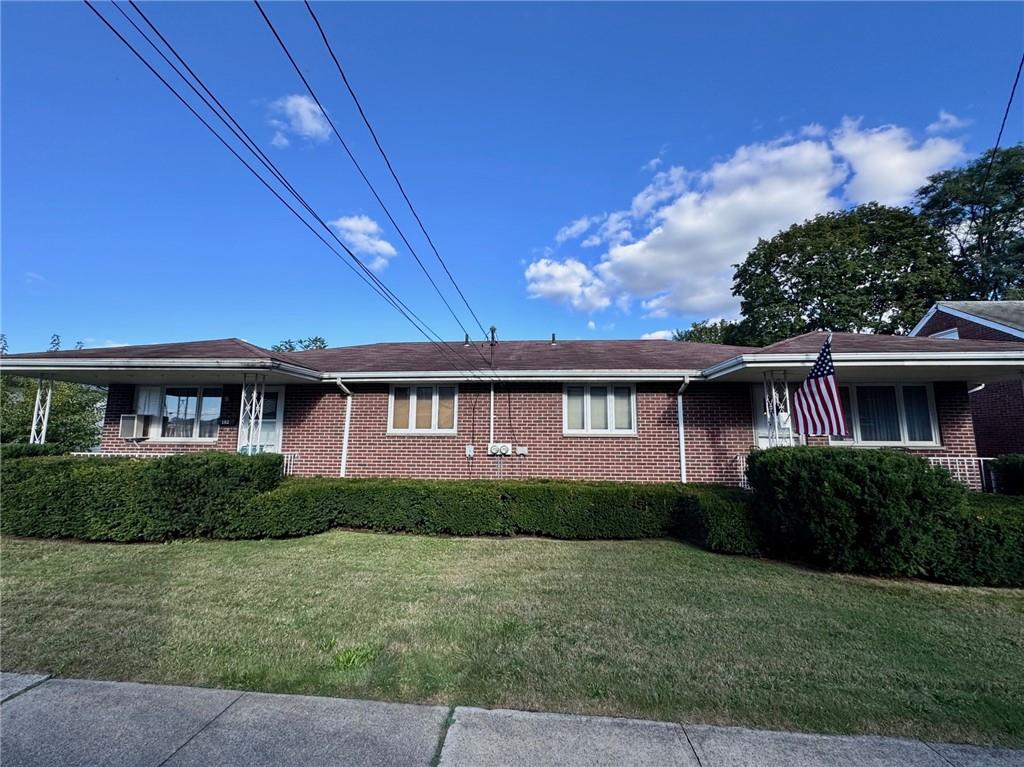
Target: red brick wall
x=998, y=409
x=121, y=400
x=717, y=417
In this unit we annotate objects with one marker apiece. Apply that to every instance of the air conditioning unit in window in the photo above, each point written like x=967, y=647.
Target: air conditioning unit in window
x=133, y=426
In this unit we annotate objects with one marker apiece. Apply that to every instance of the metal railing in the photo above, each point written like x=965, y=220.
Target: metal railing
x=975, y=473
x=291, y=460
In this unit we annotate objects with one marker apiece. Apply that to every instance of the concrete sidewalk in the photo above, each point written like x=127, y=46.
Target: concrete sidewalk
x=75, y=722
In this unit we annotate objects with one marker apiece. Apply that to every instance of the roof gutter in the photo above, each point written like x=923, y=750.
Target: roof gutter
x=42, y=365
x=411, y=376
x=862, y=359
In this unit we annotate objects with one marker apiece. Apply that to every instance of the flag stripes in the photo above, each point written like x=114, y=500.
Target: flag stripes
x=817, y=406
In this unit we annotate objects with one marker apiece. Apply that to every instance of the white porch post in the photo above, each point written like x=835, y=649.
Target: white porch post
x=41, y=412
x=776, y=402
x=252, y=412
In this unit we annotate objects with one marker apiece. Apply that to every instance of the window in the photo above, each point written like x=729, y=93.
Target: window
x=422, y=409
x=948, y=333
x=179, y=412
x=599, y=409
x=889, y=414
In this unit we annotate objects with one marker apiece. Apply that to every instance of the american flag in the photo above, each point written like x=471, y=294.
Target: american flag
x=817, y=407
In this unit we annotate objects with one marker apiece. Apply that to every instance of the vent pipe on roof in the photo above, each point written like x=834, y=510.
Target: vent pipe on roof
x=494, y=335
x=553, y=341
x=466, y=342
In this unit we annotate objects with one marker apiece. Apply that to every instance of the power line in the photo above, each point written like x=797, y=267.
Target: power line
x=1002, y=126
x=373, y=282
x=387, y=162
x=359, y=168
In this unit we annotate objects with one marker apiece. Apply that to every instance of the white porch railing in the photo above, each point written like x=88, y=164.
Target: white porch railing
x=975, y=473
x=291, y=460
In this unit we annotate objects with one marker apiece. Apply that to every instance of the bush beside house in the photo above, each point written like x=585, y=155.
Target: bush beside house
x=1009, y=471
x=883, y=512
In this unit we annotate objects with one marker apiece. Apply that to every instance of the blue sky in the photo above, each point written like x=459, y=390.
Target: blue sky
x=589, y=170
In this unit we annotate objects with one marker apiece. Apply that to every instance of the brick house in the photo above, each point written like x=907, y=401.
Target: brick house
x=653, y=411
x=997, y=408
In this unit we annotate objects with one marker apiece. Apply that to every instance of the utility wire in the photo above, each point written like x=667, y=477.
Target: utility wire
x=373, y=282
x=1002, y=126
x=359, y=168
x=387, y=162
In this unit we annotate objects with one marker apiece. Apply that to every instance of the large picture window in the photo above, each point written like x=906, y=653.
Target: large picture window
x=180, y=412
x=424, y=409
x=889, y=414
x=599, y=409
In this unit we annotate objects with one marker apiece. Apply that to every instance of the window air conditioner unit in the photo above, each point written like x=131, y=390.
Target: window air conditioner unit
x=133, y=426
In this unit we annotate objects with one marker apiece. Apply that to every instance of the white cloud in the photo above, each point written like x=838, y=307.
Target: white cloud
x=657, y=335
x=297, y=115
x=651, y=165
x=674, y=248
x=575, y=228
x=888, y=165
x=362, y=234
x=591, y=325
x=569, y=281
x=947, y=122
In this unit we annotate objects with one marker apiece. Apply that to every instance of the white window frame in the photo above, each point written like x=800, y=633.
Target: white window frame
x=587, y=431
x=199, y=409
x=951, y=333
x=854, y=426
x=435, y=398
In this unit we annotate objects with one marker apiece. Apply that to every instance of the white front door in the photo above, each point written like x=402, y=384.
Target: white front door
x=273, y=418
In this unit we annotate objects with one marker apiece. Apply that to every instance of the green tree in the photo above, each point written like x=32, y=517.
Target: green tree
x=302, y=344
x=708, y=332
x=868, y=269
x=980, y=210
x=76, y=411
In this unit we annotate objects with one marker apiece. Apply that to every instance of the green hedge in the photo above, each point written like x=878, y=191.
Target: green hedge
x=9, y=450
x=883, y=512
x=987, y=543
x=124, y=499
x=1009, y=471
x=712, y=517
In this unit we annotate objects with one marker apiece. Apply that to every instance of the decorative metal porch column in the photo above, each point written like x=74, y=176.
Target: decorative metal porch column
x=41, y=412
x=252, y=413
x=776, y=402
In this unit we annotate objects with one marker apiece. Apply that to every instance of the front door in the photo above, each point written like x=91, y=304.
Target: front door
x=273, y=416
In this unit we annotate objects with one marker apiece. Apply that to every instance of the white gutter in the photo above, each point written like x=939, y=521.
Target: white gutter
x=864, y=359
x=410, y=376
x=682, y=434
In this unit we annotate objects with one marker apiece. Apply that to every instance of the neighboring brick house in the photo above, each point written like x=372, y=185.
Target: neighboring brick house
x=997, y=408
x=652, y=411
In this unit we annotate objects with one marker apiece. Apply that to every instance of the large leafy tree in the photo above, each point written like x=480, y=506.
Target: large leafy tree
x=302, y=344
x=872, y=268
x=980, y=210
x=708, y=332
x=76, y=410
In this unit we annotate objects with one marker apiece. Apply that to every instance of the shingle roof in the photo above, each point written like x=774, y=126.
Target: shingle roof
x=520, y=355
x=221, y=348
x=1009, y=313
x=809, y=343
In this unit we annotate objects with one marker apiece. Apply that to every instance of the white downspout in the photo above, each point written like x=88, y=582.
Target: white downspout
x=682, y=433
x=348, y=422
x=492, y=414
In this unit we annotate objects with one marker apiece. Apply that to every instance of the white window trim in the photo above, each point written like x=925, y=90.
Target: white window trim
x=854, y=426
x=412, y=430
x=586, y=431
x=160, y=418
x=952, y=333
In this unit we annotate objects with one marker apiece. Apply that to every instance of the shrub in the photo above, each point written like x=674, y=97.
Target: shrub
x=715, y=518
x=124, y=499
x=987, y=543
x=11, y=450
x=871, y=511
x=1009, y=471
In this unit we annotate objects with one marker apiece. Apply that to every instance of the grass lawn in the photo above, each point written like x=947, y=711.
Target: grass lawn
x=652, y=629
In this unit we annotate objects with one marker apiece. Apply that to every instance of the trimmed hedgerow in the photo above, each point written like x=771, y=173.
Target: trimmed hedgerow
x=1009, y=471
x=125, y=499
x=987, y=543
x=716, y=518
x=11, y=450
x=884, y=512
